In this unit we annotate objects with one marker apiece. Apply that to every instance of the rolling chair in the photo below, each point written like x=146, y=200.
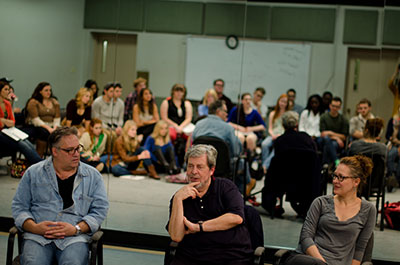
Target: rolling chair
x=253, y=224
x=95, y=248
x=222, y=169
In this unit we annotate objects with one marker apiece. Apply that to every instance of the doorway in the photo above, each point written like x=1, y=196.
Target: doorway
x=115, y=60
x=374, y=68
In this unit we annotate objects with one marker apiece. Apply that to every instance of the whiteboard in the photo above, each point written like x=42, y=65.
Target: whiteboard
x=274, y=66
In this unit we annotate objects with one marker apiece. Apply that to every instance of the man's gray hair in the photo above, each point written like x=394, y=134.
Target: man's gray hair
x=201, y=149
x=60, y=132
x=290, y=120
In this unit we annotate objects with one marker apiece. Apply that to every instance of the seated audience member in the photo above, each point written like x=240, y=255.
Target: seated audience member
x=291, y=93
x=12, y=97
x=278, y=182
x=207, y=215
x=309, y=119
x=337, y=227
x=177, y=112
x=43, y=112
x=257, y=104
x=368, y=144
x=92, y=85
x=59, y=203
x=275, y=129
x=161, y=149
x=145, y=113
x=292, y=138
x=93, y=143
x=139, y=84
x=209, y=98
x=215, y=125
x=127, y=154
x=326, y=100
x=334, y=128
x=79, y=110
x=7, y=121
x=247, y=121
x=219, y=85
x=110, y=110
x=357, y=123
x=394, y=146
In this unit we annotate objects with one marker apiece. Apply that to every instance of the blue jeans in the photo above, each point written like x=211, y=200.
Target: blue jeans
x=35, y=254
x=119, y=170
x=24, y=146
x=329, y=149
x=268, y=151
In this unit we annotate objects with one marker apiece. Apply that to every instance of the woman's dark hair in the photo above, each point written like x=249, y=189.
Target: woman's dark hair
x=141, y=103
x=36, y=93
x=373, y=127
x=360, y=167
x=242, y=116
x=3, y=84
x=320, y=107
x=179, y=87
x=89, y=83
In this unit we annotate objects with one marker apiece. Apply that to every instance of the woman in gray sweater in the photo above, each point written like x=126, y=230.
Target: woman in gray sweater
x=337, y=227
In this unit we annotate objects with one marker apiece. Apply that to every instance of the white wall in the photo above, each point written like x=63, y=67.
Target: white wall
x=44, y=40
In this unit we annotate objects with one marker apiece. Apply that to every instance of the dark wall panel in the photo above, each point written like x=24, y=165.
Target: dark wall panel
x=306, y=24
x=360, y=27
x=391, y=27
x=224, y=19
x=174, y=17
x=257, y=21
x=131, y=15
x=100, y=14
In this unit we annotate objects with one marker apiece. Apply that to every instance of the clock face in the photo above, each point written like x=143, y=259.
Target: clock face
x=232, y=41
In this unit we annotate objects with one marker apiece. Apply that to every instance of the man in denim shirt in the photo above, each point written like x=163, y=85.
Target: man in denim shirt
x=59, y=203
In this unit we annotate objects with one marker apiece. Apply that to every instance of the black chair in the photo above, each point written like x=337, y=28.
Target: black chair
x=296, y=173
x=281, y=254
x=253, y=224
x=376, y=183
x=95, y=248
x=223, y=167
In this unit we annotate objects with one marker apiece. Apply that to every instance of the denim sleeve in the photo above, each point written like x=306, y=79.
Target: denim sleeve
x=21, y=202
x=99, y=206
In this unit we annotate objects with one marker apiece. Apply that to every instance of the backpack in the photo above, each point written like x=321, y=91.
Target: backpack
x=392, y=214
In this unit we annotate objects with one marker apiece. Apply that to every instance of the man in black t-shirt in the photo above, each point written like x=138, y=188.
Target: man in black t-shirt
x=207, y=215
x=219, y=85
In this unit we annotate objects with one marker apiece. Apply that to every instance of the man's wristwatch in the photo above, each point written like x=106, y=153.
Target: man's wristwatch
x=201, y=226
x=78, y=230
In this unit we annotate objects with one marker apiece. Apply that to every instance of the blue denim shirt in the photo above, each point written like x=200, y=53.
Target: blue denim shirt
x=38, y=198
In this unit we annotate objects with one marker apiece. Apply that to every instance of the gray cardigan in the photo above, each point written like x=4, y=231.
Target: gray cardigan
x=339, y=242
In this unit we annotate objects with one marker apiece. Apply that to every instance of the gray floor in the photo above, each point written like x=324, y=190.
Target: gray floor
x=142, y=206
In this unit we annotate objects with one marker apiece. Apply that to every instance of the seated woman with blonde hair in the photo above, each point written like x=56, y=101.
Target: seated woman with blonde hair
x=338, y=227
x=79, y=110
x=127, y=153
x=94, y=143
x=161, y=149
x=209, y=98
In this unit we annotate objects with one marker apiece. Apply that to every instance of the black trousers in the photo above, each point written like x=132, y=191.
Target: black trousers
x=295, y=258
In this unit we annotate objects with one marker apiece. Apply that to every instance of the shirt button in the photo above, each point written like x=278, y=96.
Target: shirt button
x=201, y=200
x=59, y=214
x=201, y=207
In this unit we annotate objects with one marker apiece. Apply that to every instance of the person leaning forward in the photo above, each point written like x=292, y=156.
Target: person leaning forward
x=207, y=215
x=59, y=203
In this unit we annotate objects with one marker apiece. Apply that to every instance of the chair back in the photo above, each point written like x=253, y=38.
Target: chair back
x=254, y=225
x=223, y=168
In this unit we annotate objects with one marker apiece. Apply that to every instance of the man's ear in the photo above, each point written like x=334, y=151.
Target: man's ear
x=54, y=151
x=212, y=170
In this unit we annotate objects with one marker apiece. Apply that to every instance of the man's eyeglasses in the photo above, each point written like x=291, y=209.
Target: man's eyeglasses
x=340, y=178
x=72, y=151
